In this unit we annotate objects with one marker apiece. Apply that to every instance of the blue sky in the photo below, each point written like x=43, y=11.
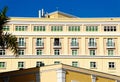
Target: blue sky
x=80, y=8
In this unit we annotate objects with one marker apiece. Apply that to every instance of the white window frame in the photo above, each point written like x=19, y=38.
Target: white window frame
x=75, y=63
x=21, y=52
x=4, y=64
x=111, y=65
x=21, y=41
x=57, y=51
x=22, y=64
x=92, y=50
x=93, y=64
x=3, y=52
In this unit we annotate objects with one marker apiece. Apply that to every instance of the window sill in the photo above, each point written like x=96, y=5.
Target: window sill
x=93, y=68
x=111, y=68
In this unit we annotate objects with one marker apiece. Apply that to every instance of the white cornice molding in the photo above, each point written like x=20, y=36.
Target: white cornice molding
x=62, y=22
x=66, y=34
x=59, y=57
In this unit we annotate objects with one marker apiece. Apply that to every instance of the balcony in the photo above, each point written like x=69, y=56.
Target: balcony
x=110, y=45
x=57, y=45
x=74, y=45
x=39, y=45
x=22, y=45
x=92, y=45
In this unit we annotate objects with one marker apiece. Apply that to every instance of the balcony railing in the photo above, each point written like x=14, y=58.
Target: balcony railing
x=57, y=45
x=22, y=45
x=110, y=45
x=92, y=45
x=74, y=45
x=40, y=45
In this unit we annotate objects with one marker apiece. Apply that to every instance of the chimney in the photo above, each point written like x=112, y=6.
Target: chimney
x=39, y=13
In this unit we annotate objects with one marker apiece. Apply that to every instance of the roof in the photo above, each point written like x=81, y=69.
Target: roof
x=60, y=66
x=62, y=13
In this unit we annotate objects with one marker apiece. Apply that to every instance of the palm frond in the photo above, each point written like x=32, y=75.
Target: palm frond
x=11, y=42
x=3, y=18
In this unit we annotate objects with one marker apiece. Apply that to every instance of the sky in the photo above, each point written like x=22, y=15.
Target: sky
x=80, y=8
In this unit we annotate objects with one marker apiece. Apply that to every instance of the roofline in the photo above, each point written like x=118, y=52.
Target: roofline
x=63, y=13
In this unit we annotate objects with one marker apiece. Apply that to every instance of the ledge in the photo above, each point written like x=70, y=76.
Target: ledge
x=58, y=57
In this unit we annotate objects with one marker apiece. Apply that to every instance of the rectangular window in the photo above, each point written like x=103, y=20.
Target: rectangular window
x=2, y=52
x=56, y=62
x=92, y=52
x=111, y=64
x=92, y=28
x=57, y=52
x=74, y=28
x=21, y=42
x=2, y=65
x=74, y=52
x=109, y=28
x=92, y=64
x=21, y=52
x=92, y=42
x=39, y=52
x=110, y=52
x=21, y=28
x=21, y=65
x=39, y=42
x=39, y=28
x=110, y=42
x=56, y=28
x=39, y=64
x=75, y=64
x=57, y=42
x=74, y=42
x=6, y=28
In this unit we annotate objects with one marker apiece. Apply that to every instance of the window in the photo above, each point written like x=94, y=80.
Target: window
x=39, y=28
x=21, y=42
x=57, y=42
x=39, y=52
x=110, y=42
x=21, y=28
x=56, y=62
x=56, y=28
x=92, y=52
x=109, y=28
x=6, y=28
x=74, y=52
x=111, y=64
x=110, y=52
x=2, y=64
x=39, y=64
x=57, y=52
x=39, y=42
x=74, y=42
x=75, y=64
x=2, y=52
x=20, y=64
x=21, y=52
x=92, y=64
x=74, y=28
x=92, y=42
x=92, y=28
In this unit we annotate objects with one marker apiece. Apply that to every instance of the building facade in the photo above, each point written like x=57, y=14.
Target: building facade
x=91, y=43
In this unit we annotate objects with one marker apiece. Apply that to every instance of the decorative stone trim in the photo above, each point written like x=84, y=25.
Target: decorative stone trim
x=93, y=77
x=61, y=75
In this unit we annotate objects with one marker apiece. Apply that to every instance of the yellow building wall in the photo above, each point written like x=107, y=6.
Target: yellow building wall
x=81, y=77
x=48, y=76
x=78, y=77
x=100, y=79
